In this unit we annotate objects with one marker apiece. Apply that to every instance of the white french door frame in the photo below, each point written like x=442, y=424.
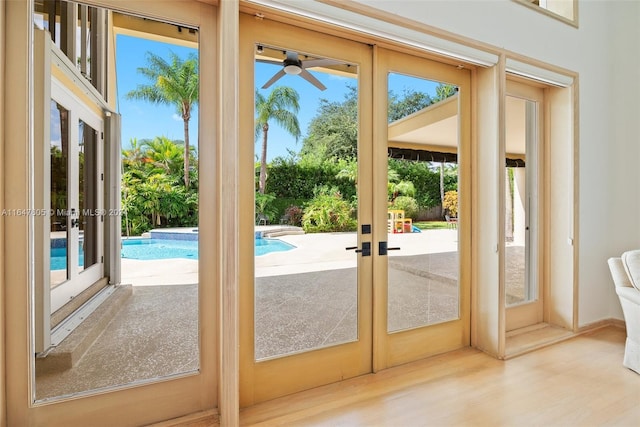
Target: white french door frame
x=78, y=279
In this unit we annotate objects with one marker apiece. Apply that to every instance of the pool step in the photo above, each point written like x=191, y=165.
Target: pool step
x=282, y=233
x=67, y=353
x=277, y=230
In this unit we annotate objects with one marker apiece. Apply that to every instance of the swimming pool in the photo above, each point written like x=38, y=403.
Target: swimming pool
x=150, y=249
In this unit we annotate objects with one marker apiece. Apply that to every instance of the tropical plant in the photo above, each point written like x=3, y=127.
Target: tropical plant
x=401, y=188
x=327, y=212
x=164, y=155
x=173, y=82
x=407, y=204
x=349, y=171
x=281, y=106
x=264, y=206
x=153, y=194
x=134, y=156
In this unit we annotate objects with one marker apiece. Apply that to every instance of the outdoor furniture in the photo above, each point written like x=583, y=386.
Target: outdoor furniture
x=261, y=219
x=451, y=222
x=626, y=276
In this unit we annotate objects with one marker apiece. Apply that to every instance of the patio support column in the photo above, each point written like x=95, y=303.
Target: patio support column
x=228, y=121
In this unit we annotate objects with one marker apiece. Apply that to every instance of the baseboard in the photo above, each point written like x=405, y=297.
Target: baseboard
x=601, y=324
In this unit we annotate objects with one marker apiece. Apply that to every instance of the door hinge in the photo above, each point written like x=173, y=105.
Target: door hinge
x=101, y=177
x=102, y=259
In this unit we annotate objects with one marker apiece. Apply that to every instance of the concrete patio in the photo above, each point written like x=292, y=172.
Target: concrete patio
x=305, y=298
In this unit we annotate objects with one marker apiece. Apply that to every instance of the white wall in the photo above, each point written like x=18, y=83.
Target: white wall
x=605, y=51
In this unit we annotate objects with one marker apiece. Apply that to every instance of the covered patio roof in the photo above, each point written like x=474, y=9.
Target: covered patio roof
x=432, y=133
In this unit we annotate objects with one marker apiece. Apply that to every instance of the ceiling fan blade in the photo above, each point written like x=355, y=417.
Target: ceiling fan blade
x=310, y=63
x=273, y=79
x=309, y=77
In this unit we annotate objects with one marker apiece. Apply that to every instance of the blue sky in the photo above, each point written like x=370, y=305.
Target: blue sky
x=143, y=120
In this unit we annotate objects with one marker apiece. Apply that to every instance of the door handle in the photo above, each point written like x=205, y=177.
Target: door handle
x=365, y=251
x=382, y=248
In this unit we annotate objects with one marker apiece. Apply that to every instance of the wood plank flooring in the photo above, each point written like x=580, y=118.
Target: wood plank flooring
x=579, y=382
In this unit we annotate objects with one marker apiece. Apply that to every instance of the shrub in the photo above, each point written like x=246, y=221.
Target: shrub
x=327, y=212
x=451, y=202
x=264, y=206
x=408, y=205
x=293, y=215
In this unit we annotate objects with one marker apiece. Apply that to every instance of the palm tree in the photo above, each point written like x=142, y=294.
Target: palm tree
x=133, y=157
x=172, y=83
x=280, y=106
x=164, y=155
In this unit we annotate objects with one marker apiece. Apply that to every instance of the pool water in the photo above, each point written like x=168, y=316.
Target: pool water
x=149, y=249
x=266, y=246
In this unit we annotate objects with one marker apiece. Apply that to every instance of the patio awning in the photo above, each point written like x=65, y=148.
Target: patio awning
x=439, y=157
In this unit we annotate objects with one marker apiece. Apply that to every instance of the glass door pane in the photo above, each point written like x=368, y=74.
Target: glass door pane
x=59, y=152
x=306, y=203
x=422, y=215
x=422, y=194
x=520, y=201
x=88, y=196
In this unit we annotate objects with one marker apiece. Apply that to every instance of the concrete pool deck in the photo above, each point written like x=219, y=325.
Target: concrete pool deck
x=313, y=252
x=306, y=298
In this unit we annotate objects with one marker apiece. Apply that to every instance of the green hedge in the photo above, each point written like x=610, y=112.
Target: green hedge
x=296, y=181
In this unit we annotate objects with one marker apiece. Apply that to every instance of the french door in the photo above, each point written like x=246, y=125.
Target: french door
x=364, y=292
x=77, y=212
x=421, y=285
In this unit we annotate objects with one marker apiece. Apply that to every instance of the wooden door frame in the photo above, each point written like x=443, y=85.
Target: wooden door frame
x=405, y=346
x=137, y=404
x=263, y=380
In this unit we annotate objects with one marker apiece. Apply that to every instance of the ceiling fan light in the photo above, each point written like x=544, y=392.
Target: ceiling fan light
x=292, y=69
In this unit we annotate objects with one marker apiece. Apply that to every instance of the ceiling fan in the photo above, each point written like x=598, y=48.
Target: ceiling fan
x=294, y=66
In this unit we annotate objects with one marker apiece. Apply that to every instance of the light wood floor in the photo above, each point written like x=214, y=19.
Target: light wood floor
x=579, y=382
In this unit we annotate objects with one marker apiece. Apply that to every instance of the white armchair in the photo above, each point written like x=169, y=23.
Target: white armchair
x=626, y=276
